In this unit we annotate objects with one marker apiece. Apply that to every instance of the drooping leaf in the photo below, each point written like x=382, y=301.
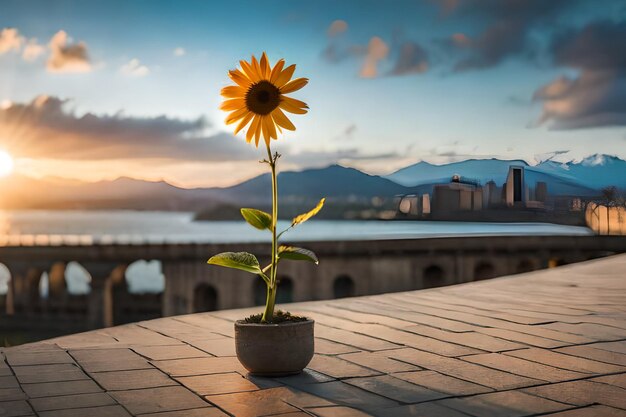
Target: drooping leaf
x=296, y=254
x=257, y=218
x=238, y=260
x=306, y=216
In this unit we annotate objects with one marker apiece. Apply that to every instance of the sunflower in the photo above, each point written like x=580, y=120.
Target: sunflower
x=258, y=98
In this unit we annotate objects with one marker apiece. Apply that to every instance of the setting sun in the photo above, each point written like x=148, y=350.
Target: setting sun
x=6, y=164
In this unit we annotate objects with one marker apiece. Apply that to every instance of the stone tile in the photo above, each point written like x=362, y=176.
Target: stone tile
x=196, y=412
x=379, y=362
x=11, y=394
x=53, y=389
x=307, y=376
x=217, y=383
x=152, y=400
x=597, y=331
x=617, y=380
x=523, y=367
x=340, y=393
x=159, y=353
x=217, y=347
x=337, y=412
x=591, y=411
x=470, y=339
x=600, y=355
x=101, y=360
x=619, y=347
x=8, y=382
x=396, y=389
x=71, y=401
x=582, y=393
x=46, y=357
x=463, y=370
x=501, y=404
x=352, y=339
x=200, y=366
x=338, y=368
x=527, y=339
x=135, y=379
x=429, y=409
x=326, y=347
x=266, y=402
x=104, y=411
x=15, y=408
x=48, y=373
x=442, y=383
x=560, y=360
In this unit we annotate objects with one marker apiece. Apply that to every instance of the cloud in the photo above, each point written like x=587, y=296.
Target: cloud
x=66, y=57
x=10, y=40
x=507, y=24
x=134, y=68
x=337, y=27
x=597, y=95
x=377, y=50
x=47, y=128
x=412, y=59
x=32, y=50
x=179, y=51
x=309, y=159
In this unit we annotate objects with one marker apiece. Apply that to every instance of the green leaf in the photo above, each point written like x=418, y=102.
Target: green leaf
x=296, y=254
x=238, y=260
x=306, y=216
x=257, y=218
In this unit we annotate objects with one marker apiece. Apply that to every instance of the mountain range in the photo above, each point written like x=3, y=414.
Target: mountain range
x=584, y=178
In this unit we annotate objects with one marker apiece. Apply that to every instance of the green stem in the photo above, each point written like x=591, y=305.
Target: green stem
x=268, y=314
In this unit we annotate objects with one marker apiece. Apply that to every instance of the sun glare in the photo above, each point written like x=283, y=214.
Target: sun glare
x=6, y=164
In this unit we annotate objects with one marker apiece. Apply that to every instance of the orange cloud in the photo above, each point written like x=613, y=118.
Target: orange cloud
x=377, y=50
x=67, y=57
x=10, y=40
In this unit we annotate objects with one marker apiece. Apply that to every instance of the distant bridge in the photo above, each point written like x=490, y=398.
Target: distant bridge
x=346, y=268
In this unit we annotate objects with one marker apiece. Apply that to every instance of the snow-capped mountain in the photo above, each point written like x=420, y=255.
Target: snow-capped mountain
x=595, y=171
x=591, y=174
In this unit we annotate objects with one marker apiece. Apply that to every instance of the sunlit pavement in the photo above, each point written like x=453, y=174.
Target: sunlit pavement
x=551, y=341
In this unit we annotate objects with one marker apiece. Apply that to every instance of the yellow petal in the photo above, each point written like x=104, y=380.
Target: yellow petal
x=236, y=115
x=253, y=128
x=278, y=68
x=271, y=126
x=256, y=67
x=234, y=104
x=292, y=105
x=239, y=77
x=266, y=129
x=285, y=76
x=233, y=91
x=257, y=133
x=244, y=122
x=249, y=71
x=282, y=120
x=265, y=67
x=294, y=85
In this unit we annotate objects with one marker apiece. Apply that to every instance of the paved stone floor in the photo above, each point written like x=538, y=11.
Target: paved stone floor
x=546, y=343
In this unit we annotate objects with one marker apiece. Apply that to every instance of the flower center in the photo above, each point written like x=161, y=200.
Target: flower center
x=262, y=97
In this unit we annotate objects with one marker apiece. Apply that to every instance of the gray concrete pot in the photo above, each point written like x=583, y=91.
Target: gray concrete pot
x=274, y=349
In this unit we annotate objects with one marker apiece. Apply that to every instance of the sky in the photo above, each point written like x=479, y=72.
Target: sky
x=102, y=89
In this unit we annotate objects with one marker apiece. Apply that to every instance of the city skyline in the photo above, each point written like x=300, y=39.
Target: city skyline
x=102, y=90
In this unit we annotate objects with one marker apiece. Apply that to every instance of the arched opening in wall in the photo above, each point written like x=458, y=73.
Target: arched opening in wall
x=5, y=281
x=139, y=296
x=484, y=270
x=259, y=289
x=78, y=285
x=433, y=276
x=343, y=286
x=285, y=290
x=525, y=265
x=204, y=298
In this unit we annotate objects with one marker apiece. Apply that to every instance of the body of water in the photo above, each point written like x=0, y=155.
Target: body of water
x=40, y=227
